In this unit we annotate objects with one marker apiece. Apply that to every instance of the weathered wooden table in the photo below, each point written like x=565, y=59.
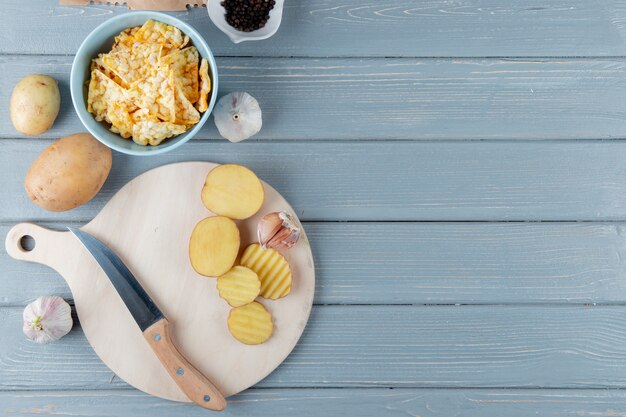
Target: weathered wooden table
x=459, y=168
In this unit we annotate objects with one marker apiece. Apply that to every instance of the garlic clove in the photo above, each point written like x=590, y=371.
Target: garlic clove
x=238, y=116
x=47, y=319
x=278, y=230
x=268, y=226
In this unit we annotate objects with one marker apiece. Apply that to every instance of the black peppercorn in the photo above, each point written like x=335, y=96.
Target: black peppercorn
x=247, y=15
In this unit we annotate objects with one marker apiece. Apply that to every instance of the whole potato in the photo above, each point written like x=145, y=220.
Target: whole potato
x=35, y=104
x=68, y=173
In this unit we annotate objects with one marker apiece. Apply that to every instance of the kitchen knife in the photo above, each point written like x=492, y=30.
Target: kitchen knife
x=153, y=324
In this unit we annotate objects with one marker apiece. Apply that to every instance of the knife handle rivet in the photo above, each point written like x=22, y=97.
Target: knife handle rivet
x=207, y=398
x=180, y=371
x=157, y=337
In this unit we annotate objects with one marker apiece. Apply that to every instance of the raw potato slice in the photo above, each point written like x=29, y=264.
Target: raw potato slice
x=239, y=286
x=233, y=191
x=250, y=324
x=271, y=267
x=214, y=246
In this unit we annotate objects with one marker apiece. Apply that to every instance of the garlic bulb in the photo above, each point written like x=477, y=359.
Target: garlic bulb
x=238, y=116
x=278, y=230
x=47, y=319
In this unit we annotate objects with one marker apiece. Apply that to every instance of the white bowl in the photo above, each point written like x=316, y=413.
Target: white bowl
x=218, y=16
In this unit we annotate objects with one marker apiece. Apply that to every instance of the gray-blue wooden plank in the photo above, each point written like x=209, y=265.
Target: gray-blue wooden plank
x=405, y=99
x=362, y=28
x=428, y=263
x=386, y=346
x=398, y=402
x=382, y=180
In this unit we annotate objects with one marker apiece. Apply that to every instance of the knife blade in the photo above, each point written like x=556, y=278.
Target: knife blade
x=153, y=324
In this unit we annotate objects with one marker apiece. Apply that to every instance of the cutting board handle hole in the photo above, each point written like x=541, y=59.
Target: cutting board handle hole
x=26, y=243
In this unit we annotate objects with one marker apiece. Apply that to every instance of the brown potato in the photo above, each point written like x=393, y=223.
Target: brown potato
x=35, y=103
x=233, y=191
x=68, y=173
x=213, y=246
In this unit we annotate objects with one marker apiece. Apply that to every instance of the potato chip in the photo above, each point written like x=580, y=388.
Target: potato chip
x=154, y=133
x=155, y=93
x=184, y=111
x=120, y=119
x=184, y=64
x=272, y=269
x=134, y=63
x=205, y=86
x=143, y=115
x=185, y=42
x=125, y=39
x=251, y=323
x=102, y=92
x=239, y=286
x=97, y=63
x=168, y=36
x=147, y=85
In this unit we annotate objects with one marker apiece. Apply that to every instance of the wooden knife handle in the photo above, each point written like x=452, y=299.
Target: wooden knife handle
x=195, y=385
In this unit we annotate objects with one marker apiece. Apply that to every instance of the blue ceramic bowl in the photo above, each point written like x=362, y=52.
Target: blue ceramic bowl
x=101, y=40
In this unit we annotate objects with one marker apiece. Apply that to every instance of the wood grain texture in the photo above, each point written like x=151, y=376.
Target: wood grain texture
x=383, y=181
x=428, y=263
x=154, y=245
x=328, y=402
x=404, y=99
x=363, y=28
x=192, y=382
x=388, y=346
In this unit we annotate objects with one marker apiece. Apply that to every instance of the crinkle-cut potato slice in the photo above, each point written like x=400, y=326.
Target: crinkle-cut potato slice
x=155, y=93
x=251, y=324
x=213, y=246
x=121, y=120
x=239, y=286
x=135, y=63
x=184, y=65
x=153, y=133
x=152, y=31
x=185, y=113
x=102, y=91
x=205, y=87
x=233, y=191
x=271, y=267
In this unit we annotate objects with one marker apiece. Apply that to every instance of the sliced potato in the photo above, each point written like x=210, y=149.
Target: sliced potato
x=271, y=267
x=214, y=246
x=239, y=286
x=233, y=191
x=251, y=323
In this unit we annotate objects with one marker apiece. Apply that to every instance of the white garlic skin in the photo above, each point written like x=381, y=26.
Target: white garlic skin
x=47, y=319
x=238, y=116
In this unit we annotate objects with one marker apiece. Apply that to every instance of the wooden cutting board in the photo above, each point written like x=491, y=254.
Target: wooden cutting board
x=148, y=224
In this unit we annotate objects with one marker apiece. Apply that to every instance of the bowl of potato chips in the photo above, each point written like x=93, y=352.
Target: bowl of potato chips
x=143, y=83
